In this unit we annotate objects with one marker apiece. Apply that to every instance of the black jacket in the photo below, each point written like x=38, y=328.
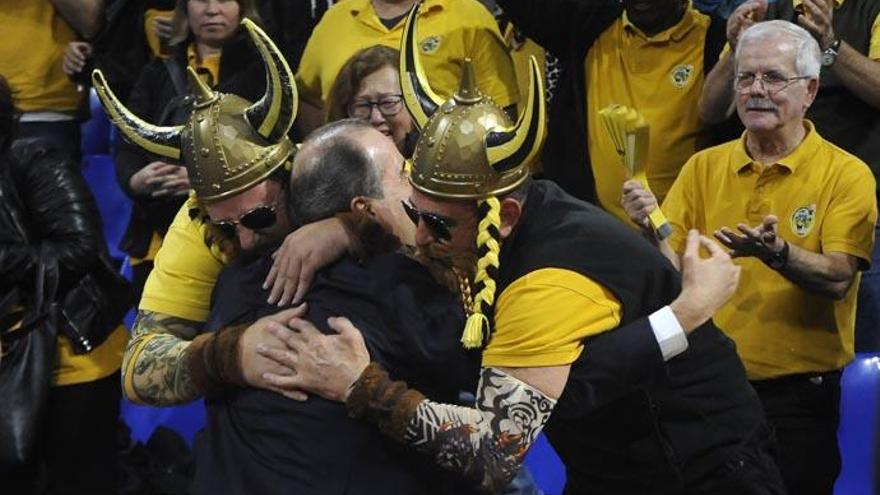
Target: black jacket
x=241, y=73
x=628, y=423
x=258, y=441
x=567, y=29
x=44, y=201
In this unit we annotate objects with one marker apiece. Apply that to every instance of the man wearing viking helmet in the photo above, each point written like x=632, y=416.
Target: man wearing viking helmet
x=236, y=153
x=568, y=279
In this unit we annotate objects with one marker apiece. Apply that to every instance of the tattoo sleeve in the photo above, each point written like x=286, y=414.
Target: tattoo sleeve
x=154, y=370
x=486, y=444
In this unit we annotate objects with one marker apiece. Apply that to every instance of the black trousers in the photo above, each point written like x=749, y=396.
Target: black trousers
x=804, y=411
x=64, y=137
x=80, y=450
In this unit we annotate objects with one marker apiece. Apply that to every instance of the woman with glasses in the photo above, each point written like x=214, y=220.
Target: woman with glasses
x=205, y=36
x=368, y=88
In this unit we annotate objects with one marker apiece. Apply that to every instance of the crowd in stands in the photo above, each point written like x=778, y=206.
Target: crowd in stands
x=764, y=137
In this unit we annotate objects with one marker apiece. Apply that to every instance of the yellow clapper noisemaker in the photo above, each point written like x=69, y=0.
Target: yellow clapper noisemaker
x=629, y=133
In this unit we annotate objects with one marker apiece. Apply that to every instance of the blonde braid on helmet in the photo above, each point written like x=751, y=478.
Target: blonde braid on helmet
x=477, y=327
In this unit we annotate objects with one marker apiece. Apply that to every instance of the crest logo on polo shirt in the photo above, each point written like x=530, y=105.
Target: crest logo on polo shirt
x=430, y=44
x=802, y=220
x=681, y=75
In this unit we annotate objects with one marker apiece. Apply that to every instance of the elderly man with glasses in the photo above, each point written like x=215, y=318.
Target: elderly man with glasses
x=798, y=213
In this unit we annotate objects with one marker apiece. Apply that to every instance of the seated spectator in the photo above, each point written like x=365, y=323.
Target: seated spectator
x=204, y=32
x=368, y=88
x=804, y=212
x=50, y=224
x=450, y=31
x=650, y=55
x=36, y=34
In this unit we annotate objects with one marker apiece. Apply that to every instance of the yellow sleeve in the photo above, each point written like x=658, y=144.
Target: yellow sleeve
x=848, y=226
x=543, y=317
x=874, y=47
x=308, y=74
x=496, y=74
x=184, y=271
x=679, y=207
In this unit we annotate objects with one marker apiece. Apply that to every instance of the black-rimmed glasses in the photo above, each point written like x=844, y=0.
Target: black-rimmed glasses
x=388, y=106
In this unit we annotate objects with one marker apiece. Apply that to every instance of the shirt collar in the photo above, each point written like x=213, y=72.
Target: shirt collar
x=363, y=9
x=675, y=33
x=801, y=155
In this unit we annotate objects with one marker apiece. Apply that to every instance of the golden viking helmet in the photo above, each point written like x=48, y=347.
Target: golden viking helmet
x=468, y=147
x=229, y=144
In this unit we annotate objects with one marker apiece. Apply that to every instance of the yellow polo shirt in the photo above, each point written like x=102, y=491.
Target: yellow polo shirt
x=661, y=77
x=450, y=30
x=543, y=317
x=185, y=270
x=35, y=37
x=824, y=198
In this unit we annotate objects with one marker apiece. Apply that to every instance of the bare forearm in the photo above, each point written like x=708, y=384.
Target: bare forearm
x=486, y=444
x=859, y=74
x=84, y=16
x=829, y=275
x=154, y=369
x=716, y=100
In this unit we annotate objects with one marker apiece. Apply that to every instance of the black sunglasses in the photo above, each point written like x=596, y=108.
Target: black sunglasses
x=259, y=218
x=439, y=226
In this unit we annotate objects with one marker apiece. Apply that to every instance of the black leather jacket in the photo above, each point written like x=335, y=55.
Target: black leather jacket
x=45, y=206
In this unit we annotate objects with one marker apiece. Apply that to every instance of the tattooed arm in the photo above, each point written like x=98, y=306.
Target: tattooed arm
x=154, y=370
x=487, y=444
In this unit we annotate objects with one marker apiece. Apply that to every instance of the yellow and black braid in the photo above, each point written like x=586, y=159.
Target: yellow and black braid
x=477, y=327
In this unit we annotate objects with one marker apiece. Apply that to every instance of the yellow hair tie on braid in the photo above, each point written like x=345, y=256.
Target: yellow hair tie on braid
x=487, y=241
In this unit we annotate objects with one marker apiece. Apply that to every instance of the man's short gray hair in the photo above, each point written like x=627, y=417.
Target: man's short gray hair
x=337, y=169
x=809, y=56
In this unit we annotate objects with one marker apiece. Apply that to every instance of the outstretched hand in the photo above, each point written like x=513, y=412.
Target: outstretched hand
x=761, y=242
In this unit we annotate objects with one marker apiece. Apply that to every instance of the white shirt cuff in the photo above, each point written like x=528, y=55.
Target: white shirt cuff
x=668, y=332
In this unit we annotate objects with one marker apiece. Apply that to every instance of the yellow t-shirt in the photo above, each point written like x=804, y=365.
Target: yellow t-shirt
x=661, y=77
x=824, y=198
x=103, y=361
x=543, y=317
x=450, y=30
x=184, y=271
x=35, y=37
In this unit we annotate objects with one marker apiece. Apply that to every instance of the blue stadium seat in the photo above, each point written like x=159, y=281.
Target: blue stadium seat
x=98, y=170
x=858, y=432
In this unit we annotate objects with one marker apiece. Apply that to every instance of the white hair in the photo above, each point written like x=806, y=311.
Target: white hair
x=809, y=56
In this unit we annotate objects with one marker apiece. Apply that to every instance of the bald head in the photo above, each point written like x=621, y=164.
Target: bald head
x=337, y=163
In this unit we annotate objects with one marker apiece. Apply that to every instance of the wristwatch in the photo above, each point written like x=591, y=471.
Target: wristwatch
x=778, y=260
x=830, y=53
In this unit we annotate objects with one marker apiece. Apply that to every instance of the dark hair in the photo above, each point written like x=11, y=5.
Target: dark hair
x=337, y=171
x=8, y=114
x=180, y=32
x=359, y=66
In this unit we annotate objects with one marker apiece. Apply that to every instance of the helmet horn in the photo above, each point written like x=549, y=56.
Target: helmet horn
x=420, y=99
x=162, y=141
x=273, y=115
x=509, y=148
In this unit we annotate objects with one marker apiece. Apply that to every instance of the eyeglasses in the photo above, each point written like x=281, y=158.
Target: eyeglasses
x=439, y=226
x=259, y=218
x=388, y=106
x=772, y=82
